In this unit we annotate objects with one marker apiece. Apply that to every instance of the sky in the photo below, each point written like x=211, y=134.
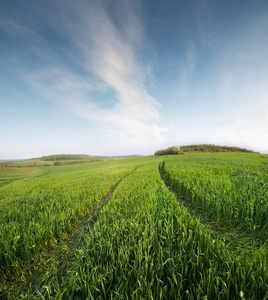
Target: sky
x=122, y=77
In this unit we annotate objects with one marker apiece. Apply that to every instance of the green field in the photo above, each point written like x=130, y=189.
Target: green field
x=191, y=226
x=56, y=160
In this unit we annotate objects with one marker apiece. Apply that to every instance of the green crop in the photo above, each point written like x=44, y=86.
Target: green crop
x=144, y=243
x=229, y=188
x=36, y=213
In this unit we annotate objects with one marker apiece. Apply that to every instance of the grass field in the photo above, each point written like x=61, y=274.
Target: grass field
x=170, y=227
x=8, y=175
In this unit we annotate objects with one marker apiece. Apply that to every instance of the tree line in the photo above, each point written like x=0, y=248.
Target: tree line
x=201, y=148
x=60, y=157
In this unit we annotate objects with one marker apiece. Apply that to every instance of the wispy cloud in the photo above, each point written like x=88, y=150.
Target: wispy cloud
x=188, y=67
x=203, y=18
x=107, y=44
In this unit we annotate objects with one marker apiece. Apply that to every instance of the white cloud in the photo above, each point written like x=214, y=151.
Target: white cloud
x=107, y=45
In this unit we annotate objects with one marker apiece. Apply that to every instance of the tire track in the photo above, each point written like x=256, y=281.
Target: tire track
x=44, y=173
x=233, y=237
x=77, y=236
x=55, y=263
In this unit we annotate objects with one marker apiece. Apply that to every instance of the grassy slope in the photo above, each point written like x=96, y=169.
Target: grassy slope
x=36, y=211
x=63, y=159
x=144, y=244
x=12, y=171
x=10, y=174
x=230, y=188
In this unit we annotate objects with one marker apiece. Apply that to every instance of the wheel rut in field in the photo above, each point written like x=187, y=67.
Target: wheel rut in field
x=77, y=236
x=233, y=237
x=44, y=173
x=57, y=261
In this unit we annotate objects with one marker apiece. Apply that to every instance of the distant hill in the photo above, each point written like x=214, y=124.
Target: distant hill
x=62, y=157
x=201, y=148
x=116, y=157
x=59, y=159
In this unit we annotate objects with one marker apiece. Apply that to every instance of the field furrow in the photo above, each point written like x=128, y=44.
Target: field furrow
x=231, y=191
x=61, y=257
x=192, y=228
x=234, y=237
x=36, y=214
x=145, y=245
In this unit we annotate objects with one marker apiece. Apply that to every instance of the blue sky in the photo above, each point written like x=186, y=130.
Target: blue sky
x=118, y=77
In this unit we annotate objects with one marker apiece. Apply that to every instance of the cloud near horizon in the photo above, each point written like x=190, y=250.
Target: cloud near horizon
x=106, y=45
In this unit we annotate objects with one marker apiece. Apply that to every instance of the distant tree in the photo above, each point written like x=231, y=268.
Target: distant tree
x=174, y=150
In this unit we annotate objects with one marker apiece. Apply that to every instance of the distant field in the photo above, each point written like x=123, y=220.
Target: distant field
x=10, y=174
x=17, y=173
x=158, y=227
x=59, y=159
